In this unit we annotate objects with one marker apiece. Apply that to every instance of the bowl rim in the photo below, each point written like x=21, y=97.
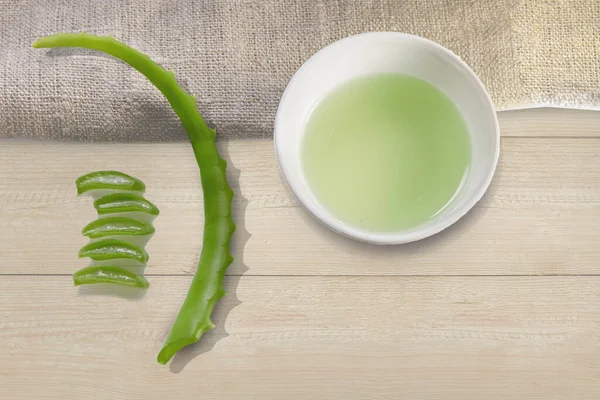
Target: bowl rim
x=384, y=238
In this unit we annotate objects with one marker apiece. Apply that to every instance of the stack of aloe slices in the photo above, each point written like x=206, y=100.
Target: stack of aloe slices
x=119, y=235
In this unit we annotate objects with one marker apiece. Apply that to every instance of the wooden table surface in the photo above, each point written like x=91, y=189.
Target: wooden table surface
x=503, y=305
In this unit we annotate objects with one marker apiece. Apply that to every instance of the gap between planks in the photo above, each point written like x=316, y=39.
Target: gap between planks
x=348, y=275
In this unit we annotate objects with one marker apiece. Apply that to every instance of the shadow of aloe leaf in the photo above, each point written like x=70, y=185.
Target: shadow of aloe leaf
x=114, y=290
x=231, y=282
x=76, y=52
x=208, y=341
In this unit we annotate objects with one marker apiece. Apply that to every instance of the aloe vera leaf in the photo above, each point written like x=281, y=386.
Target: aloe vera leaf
x=117, y=226
x=108, y=274
x=124, y=202
x=110, y=249
x=207, y=285
x=108, y=180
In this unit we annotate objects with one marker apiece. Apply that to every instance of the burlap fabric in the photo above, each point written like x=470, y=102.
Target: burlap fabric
x=237, y=56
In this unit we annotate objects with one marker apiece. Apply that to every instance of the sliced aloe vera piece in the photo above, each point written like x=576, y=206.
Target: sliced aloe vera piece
x=108, y=274
x=108, y=180
x=110, y=249
x=117, y=226
x=124, y=202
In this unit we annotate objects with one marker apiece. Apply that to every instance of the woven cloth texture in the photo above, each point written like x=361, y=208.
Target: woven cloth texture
x=236, y=57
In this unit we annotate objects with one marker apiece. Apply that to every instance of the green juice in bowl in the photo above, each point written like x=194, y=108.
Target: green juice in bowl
x=385, y=152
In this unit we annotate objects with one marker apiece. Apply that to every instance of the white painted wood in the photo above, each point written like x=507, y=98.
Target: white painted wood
x=540, y=216
x=308, y=338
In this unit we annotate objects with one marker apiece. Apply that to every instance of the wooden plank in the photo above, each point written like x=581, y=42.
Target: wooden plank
x=308, y=338
x=549, y=122
x=540, y=216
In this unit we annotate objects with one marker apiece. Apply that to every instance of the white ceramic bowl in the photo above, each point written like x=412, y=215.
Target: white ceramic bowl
x=382, y=52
